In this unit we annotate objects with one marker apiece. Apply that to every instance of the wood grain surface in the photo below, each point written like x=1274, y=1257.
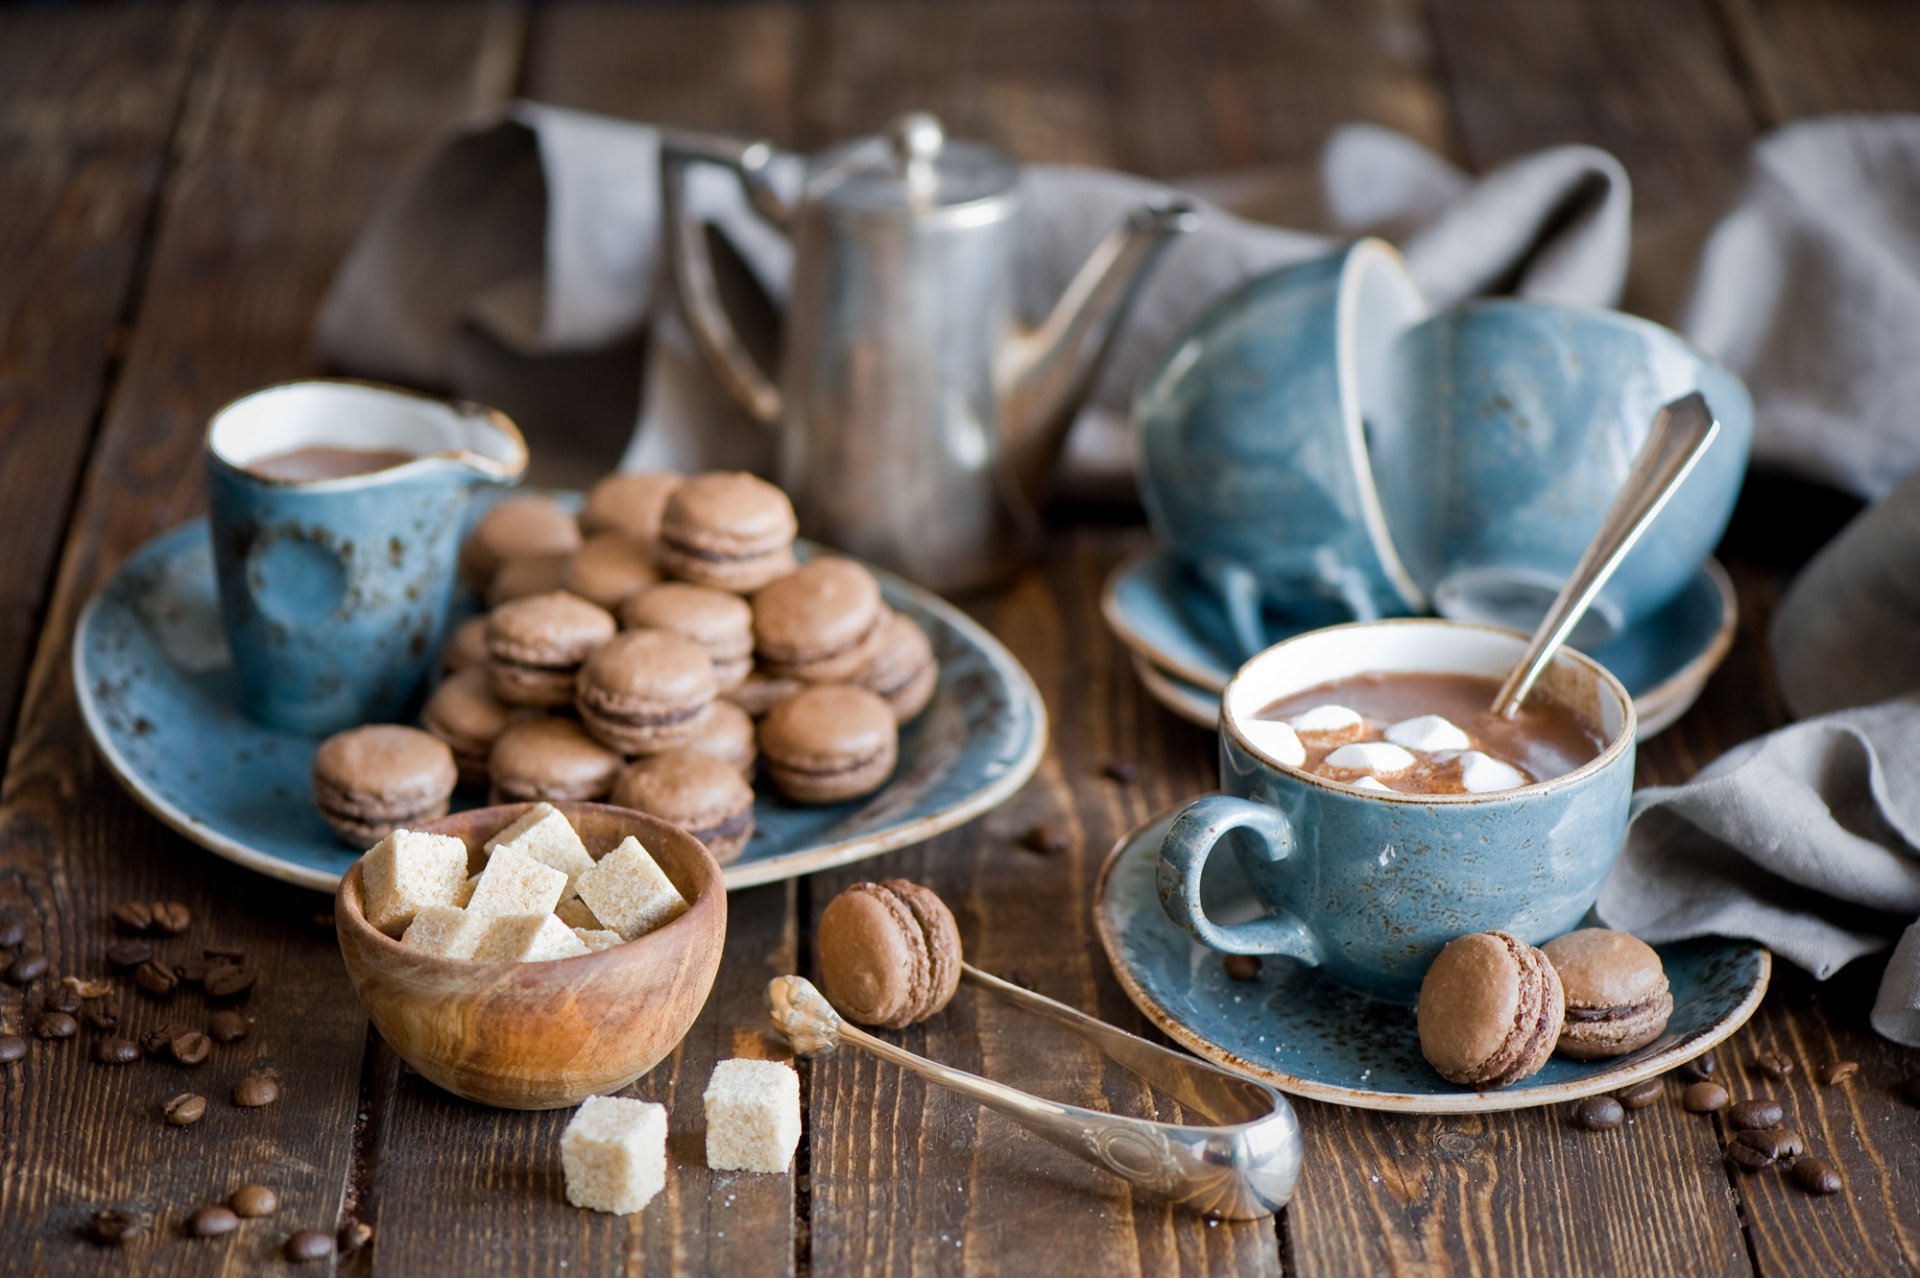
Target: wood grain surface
x=178, y=184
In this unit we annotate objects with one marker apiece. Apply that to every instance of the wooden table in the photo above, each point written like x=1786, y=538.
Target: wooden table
x=176, y=185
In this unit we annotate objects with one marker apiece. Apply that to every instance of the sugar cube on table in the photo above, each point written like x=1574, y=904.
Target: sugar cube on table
x=574, y=913
x=514, y=883
x=445, y=930
x=596, y=939
x=526, y=938
x=628, y=892
x=408, y=871
x=545, y=834
x=753, y=1116
x=614, y=1152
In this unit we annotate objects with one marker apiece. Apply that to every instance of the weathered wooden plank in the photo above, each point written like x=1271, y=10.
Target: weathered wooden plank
x=303, y=116
x=88, y=100
x=1809, y=57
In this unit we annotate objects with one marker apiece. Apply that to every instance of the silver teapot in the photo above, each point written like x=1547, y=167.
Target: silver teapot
x=919, y=423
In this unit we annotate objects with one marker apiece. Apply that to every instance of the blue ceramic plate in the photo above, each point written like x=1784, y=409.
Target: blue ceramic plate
x=1157, y=609
x=1306, y=1035
x=157, y=692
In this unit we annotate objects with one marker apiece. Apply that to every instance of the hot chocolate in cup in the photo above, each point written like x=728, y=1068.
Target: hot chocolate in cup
x=1366, y=881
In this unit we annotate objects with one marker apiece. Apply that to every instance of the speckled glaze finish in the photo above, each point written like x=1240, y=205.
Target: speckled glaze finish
x=1506, y=430
x=1294, y=1028
x=1252, y=457
x=335, y=593
x=1368, y=887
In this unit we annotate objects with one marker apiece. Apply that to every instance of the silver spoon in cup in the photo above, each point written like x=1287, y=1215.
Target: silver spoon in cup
x=1681, y=434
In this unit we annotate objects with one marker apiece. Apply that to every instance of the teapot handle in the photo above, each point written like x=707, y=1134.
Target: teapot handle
x=692, y=264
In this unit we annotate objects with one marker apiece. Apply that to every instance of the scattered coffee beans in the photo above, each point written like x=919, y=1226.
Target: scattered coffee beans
x=1774, y=1065
x=1700, y=1068
x=1242, y=967
x=191, y=972
x=116, y=1051
x=87, y=989
x=28, y=966
x=228, y=981
x=1641, y=1094
x=1775, y=1142
x=156, y=978
x=1911, y=1089
x=254, y=1200
x=133, y=916
x=185, y=1110
x=190, y=1049
x=55, y=1025
x=13, y=934
x=171, y=918
x=1703, y=1097
x=1751, y=1115
x=12, y=1048
x=62, y=999
x=1838, y=1072
x=1747, y=1158
x=158, y=1041
x=213, y=1221
x=1598, y=1114
x=127, y=955
x=1047, y=839
x=1121, y=770
x=255, y=1090
x=226, y=1026
x=308, y=1244
x=115, y=1228
x=354, y=1236
x=231, y=953
x=1816, y=1176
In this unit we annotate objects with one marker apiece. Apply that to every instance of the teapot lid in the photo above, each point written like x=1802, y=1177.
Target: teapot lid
x=911, y=169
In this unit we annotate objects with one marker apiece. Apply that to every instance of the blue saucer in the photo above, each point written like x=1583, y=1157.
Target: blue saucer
x=1299, y=1031
x=156, y=690
x=1164, y=614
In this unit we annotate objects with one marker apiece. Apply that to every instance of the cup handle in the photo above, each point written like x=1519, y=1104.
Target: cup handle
x=1194, y=835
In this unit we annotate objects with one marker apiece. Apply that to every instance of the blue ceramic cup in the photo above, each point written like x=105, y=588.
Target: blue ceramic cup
x=1252, y=444
x=1505, y=432
x=334, y=592
x=1368, y=886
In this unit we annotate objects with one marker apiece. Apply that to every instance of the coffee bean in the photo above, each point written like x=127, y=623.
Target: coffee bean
x=231, y=953
x=116, y=1051
x=61, y=999
x=1774, y=1065
x=1751, y=1115
x=86, y=989
x=115, y=1228
x=1910, y=1089
x=1121, y=770
x=158, y=1041
x=354, y=1235
x=185, y=1110
x=28, y=966
x=13, y=934
x=1641, y=1094
x=229, y=981
x=1242, y=967
x=12, y=1048
x=190, y=1049
x=105, y=1017
x=127, y=955
x=171, y=918
x=191, y=972
x=1838, y=1072
x=214, y=1221
x=1816, y=1176
x=1775, y=1142
x=308, y=1244
x=226, y=1026
x=254, y=1200
x=1700, y=1068
x=133, y=916
x=1047, y=839
x=55, y=1025
x=1598, y=1114
x=255, y=1090
x=1747, y=1158
x=1703, y=1097
x=156, y=978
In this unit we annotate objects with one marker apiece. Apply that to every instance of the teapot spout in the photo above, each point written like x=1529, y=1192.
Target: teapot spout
x=1045, y=372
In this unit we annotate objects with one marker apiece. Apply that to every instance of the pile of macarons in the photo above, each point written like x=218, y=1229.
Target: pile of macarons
x=653, y=652
x=1493, y=1009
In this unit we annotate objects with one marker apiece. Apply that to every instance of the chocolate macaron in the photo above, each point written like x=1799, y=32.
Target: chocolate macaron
x=1490, y=1010
x=889, y=953
x=829, y=743
x=1616, y=990
x=705, y=796
x=372, y=780
x=820, y=622
x=550, y=760
x=727, y=733
x=728, y=530
x=524, y=576
x=609, y=568
x=760, y=692
x=464, y=713
x=645, y=691
x=535, y=646
x=629, y=504
x=466, y=647
x=514, y=528
x=718, y=621
x=901, y=667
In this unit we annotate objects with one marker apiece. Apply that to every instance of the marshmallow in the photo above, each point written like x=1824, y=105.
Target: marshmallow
x=1368, y=783
x=1480, y=773
x=1277, y=739
x=1326, y=719
x=1428, y=733
x=1371, y=756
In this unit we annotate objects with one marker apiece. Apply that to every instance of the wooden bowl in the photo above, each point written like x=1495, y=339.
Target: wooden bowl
x=545, y=1035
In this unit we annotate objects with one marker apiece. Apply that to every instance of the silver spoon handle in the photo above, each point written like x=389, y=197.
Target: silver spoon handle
x=1237, y=1171
x=1682, y=432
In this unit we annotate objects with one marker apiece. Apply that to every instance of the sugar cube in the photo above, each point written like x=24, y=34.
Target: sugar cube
x=545, y=834
x=526, y=938
x=614, y=1152
x=466, y=891
x=445, y=930
x=408, y=871
x=597, y=938
x=629, y=893
x=514, y=883
x=574, y=913
x=753, y=1116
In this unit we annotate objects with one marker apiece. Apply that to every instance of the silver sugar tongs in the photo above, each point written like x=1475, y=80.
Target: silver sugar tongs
x=1237, y=1171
